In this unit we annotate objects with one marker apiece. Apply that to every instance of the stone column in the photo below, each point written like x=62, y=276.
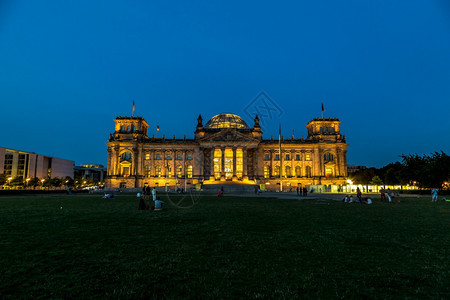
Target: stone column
x=212, y=164
x=234, y=164
x=222, y=171
x=184, y=164
x=245, y=162
x=109, y=166
x=116, y=160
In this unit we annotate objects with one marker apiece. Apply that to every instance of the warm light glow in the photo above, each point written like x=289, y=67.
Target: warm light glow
x=42, y=180
x=349, y=181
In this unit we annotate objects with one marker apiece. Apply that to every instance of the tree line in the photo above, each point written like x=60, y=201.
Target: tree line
x=424, y=171
x=54, y=182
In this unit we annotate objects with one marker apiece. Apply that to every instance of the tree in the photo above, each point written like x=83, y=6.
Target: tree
x=2, y=179
x=17, y=181
x=427, y=171
x=364, y=176
x=376, y=180
x=34, y=182
x=68, y=181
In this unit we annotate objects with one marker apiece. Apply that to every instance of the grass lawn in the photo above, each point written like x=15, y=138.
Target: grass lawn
x=226, y=247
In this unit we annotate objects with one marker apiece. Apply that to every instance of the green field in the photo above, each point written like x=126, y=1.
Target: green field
x=226, y=247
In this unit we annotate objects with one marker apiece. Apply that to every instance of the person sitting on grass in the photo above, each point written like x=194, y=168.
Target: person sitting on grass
x=158, y=204
x=346, y=199
x=367, y=200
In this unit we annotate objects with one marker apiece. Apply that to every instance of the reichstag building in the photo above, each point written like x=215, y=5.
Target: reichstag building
x=226, y=150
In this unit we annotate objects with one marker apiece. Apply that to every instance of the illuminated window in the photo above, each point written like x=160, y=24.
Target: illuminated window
x=239, y=162
x=298, y=172
x=267, y=156
x=158, y=156
x=228, y=163
x=168, y=171
x=277, y=171
x=287, y=170
x=308, y=171
x=147, y=171
x=288, y=157
x=328, y=157
x=297, y=157
x=147, y=156
x=308, y=156
x=189, y=171
x=217, y=163
x=328, y=172
x=179, y=171
x=266, y=171
x=157, y=171
x=126, y=156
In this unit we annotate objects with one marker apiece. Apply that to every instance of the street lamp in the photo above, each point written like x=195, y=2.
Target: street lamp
x=9, y=181
x=27, y=180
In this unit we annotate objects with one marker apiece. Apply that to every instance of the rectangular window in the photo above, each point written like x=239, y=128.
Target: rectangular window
x=277, y=156
x=288, y=157
x=179, y=157
x=189, y=156
x=267, y=156
x=168, y=156
x=297, y=157
x=308, y=157
x=158, y=156
x=147, y=156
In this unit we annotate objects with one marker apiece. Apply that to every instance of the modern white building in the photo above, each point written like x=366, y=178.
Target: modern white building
x=16, y=163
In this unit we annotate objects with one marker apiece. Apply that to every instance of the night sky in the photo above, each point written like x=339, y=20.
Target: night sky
x=68, y=68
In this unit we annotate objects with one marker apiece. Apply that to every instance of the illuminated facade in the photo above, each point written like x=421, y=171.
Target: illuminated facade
x=226, y=149
x=15, y=163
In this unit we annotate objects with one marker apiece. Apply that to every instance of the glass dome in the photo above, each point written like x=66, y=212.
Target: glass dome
x=226, y=121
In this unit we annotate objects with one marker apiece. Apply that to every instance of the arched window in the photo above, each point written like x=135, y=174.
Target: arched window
x=266, y=171
x=308, y=171
x=298, y=172
x=129, y=128
x=277, y=172
x=179, y=171
x=189, y=171
x=134, y=128
x=328, y=157
x=287, y=170
x=157, y=171
x=126, y=156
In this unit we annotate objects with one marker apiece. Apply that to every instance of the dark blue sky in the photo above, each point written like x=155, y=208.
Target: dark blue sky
x=68, y=68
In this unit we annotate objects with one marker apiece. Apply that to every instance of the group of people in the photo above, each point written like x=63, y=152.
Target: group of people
x=144, y=199
x=302, y=191
x=389, y=195
x=360, y=199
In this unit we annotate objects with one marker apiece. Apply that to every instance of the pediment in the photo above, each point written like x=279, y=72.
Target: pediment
x=229, y=135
